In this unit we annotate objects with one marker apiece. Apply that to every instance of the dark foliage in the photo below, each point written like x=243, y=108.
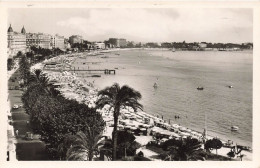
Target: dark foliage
x=53, y=116
x=213, y=144
x=10, y=64
x=182, y=149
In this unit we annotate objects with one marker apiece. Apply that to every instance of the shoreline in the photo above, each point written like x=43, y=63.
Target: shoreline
x=74, y=85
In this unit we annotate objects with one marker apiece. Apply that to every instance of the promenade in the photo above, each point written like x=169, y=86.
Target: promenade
x=23, y=149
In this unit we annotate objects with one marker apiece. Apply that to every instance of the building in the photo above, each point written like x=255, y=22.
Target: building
x=38, y=40
x=99, y=45
x=58, y=41
x=75, y=39
x=16, y=41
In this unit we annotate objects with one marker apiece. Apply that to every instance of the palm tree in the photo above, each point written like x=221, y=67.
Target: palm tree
x=85, y=145
x=106, y=148
x=184, y=150
x=118, y=97
x=38, y=78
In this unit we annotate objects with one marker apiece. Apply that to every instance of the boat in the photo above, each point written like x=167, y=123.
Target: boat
x=200, y=88
x=15, y=106
x=155, y=85
x=234, y=128
x=105, y=57
x=173, y=49
x=230, y=86
x=96, y=76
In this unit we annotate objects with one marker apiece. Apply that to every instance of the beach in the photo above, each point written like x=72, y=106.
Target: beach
x=134, y=73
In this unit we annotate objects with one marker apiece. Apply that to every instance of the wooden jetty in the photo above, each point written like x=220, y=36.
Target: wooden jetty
x=106, y=71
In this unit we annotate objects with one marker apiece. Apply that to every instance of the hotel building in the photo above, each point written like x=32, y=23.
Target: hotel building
x=38, y=40
x=16, y=41
x=58, y=41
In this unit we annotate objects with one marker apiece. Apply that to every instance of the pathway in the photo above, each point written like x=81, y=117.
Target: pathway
x=25, y=149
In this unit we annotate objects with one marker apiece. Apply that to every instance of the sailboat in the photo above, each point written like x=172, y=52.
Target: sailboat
x=173, y=49
x=155, y=85
x=234, y=128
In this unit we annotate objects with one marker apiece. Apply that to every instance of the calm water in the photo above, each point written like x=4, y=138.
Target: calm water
x=178, y=74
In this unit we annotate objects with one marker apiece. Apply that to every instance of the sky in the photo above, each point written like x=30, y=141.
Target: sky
x=223, y=25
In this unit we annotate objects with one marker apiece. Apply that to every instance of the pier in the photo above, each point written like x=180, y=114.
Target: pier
x=106, y=71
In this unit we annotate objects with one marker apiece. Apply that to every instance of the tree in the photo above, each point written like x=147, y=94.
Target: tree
x=126, y=144
x=53, y=117
x=213, y=144
x=117, y=97
x=24, y=69
x=19, y=54
x=106, y=148
x=85, y=145
x=231, y=154
x=30, y=56
x=183, y=149
x=10, y=64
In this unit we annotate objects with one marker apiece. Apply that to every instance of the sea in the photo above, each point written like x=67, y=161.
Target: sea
x=177, y=75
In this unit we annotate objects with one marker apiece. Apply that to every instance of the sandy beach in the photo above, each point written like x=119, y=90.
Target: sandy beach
x=73, y=86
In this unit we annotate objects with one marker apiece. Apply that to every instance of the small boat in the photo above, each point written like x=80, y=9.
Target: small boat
x=234, y=128
x=15, y=106
x=155, y=85
x=96, y=76
x=200, y=88
x=230, y=86
x=173, y=50
x=105, y=57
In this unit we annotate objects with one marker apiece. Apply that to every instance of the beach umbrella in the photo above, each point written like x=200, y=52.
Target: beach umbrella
x=182, y=129
x=145, y=125
x=133, y=128
x=175, y=126
x=188, y=130
x=128, y=126
x=184, y=137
